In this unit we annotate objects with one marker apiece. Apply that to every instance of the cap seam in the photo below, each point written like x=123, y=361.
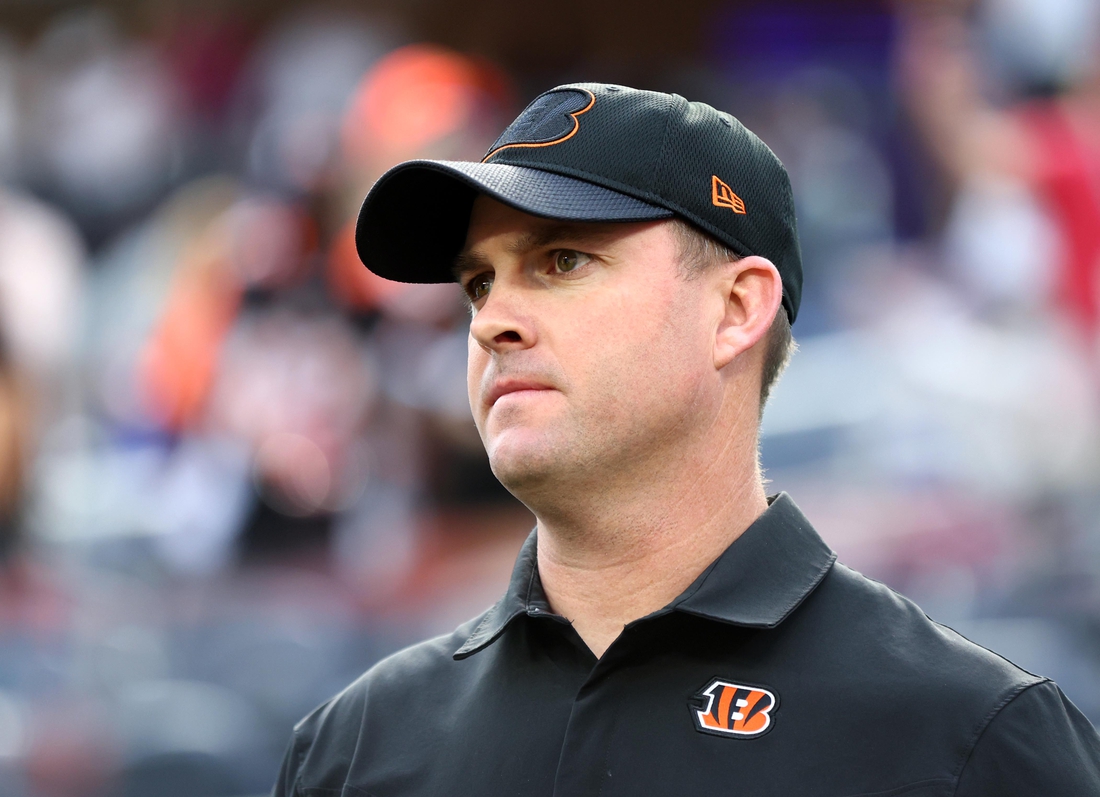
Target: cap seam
x=660, y=177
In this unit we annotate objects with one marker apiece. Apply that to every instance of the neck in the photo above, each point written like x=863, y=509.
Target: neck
x=613, y=557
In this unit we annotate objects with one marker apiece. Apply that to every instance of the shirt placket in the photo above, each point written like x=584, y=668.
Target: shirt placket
x=583, y=767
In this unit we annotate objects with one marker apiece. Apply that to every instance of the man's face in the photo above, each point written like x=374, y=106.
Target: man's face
x=590, y=356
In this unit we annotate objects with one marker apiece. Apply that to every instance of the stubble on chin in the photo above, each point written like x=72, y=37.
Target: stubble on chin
x=521, y=469
x=535, y=467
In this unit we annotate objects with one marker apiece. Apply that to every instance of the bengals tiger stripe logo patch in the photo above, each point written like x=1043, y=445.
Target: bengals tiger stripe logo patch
x=730, y=709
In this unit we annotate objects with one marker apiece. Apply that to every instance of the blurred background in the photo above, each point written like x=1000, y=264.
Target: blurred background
x=236, y=469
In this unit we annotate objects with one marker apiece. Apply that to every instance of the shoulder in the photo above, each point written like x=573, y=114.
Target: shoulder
x=929, y=692
x=880, y=625
x=412, y=667
x=884, y=651
x=406, y=683
x=395, y=677
x=1038, y=743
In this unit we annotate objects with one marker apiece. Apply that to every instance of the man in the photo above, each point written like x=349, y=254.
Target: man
x=632, y=267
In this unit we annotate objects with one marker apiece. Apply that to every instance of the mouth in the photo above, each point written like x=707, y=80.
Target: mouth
x=507, y=387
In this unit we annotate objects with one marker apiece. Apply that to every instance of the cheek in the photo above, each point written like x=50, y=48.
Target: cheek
x=653, y=343
x=476, y=362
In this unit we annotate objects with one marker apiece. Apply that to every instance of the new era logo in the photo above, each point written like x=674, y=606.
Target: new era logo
x=732, y=709
x=723, y=197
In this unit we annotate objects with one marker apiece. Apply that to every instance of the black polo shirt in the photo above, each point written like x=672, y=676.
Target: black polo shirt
x=777, y=672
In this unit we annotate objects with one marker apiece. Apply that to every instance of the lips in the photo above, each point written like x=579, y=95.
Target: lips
x=503, y=387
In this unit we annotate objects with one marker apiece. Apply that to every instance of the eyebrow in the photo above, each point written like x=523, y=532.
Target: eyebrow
x=466, y=262
x=579, y=232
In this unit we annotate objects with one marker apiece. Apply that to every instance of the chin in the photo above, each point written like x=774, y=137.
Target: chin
x=524, y=460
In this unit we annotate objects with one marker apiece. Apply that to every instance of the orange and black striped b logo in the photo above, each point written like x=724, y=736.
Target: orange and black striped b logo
x=731, y=709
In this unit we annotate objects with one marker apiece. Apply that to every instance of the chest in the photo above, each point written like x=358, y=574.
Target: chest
x=718, y=717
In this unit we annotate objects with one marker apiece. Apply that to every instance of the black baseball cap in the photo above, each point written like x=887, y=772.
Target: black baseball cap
x=598, y=153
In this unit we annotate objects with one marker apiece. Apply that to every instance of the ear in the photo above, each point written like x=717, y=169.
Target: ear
x=753, y=292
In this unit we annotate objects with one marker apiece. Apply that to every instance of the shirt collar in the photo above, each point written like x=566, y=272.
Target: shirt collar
x=765, y=574
x=757, y=582
x=524, y=596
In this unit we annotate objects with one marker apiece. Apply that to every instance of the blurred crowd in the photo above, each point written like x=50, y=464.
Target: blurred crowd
x=236, y=468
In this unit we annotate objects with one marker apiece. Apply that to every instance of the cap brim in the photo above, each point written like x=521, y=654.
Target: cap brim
x=413, y=222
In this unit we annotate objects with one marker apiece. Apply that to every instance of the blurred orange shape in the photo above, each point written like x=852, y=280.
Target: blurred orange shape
x=177, y=367
x=417, y=95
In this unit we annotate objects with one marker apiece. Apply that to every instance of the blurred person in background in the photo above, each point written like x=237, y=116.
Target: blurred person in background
x=1006, y=94
x=632, y=266
x=1018, y=140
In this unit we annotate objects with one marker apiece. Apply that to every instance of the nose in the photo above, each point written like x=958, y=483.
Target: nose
x=501, y=323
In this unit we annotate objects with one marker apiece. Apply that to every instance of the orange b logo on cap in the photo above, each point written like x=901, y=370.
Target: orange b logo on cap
x=723, y=197
x=734, y=710
x=550, y=119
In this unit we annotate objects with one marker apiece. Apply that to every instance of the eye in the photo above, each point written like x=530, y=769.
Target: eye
x=479, y=287
x=566, y=260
